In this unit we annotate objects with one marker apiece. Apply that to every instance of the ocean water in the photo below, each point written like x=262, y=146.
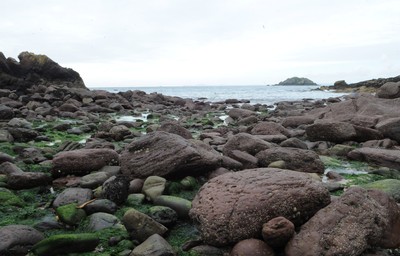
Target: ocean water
x=255, y=93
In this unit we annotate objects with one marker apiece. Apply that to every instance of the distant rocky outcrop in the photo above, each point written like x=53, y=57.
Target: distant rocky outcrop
x=297, y=81
x=373, y=83
x=35, y=69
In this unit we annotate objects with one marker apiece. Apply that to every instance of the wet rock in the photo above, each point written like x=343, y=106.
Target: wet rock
x=23, y=134
x=83, y=161
x=28, y=180
x=226, y=210
x=331, y=131
x=119, y=132
x=357, y=220
x=390, y=186
x=153, y=187
x=135, y=199
x=247, y=121
x=277, y=232
x=295, y=121
x=141, y=225
x=385, y=143
x=136, y=186
x=252, y=247
x=379, y=156
x=245, y=158
x=180, y=205
x=48, y=223
x=66, y=243
x=365, y=134
x=390, y=128
x=189, y=183
x=295, y=159
x=93, y=180
x=68, y=181
x=5, y=136
x=116, y=189
x=163, y=215
x=269, y=128
x=6, y=113
x=101, y=205
x=245, y=142
x=389, y=90
x=18, y=239
x=175, y=128
x=73, y=195
x=8, y=168
x=294, y=143
x=6, y=158
x=70, y=214
x=102, y=220
x=20, y=123
x=155, y=245
x=238, y=113
x=340, y=150
x=161, y=154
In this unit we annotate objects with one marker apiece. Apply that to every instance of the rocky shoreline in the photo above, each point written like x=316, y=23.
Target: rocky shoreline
x=97, y=173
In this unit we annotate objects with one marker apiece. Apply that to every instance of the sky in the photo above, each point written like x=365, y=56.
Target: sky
x=208, y=42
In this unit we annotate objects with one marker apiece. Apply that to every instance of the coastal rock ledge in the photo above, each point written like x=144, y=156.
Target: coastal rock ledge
x=35, y=69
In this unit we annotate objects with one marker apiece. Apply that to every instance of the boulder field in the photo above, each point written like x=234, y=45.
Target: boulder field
x=98, y=173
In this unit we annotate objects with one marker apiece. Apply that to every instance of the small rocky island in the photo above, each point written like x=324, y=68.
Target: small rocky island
x=297, y=81
x=90, y=172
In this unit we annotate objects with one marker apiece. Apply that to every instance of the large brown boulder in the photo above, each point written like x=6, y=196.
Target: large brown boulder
x=331, y=131
x=234, y=206
x=379, y=156
x=295, y=159
x=390, y=90
x=83, y=161
x=175, y=128
x=358, y=220
x=390, y=128
x=162, y=153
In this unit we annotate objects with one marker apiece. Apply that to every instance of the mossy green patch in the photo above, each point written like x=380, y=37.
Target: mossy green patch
x=66, y=243
x=7, y=147
x=70, y=214
x=180, y=234
x=360, y=179
x=9, y=199
x=389, y=186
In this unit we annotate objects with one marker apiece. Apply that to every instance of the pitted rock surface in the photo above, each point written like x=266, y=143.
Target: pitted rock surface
x=234, y=206
x=358, y=220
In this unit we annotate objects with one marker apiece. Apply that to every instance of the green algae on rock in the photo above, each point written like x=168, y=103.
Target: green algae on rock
x=66, y=243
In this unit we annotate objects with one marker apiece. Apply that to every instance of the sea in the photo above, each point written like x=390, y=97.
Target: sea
x=262, y=94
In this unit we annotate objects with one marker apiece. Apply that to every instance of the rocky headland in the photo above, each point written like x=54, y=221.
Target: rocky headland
x=90, y=172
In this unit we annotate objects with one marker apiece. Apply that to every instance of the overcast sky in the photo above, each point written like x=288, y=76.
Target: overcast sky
x=208, y=42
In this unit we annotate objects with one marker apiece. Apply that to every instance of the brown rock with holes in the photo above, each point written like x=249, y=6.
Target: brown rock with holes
x=234, y=206
x=252, y=247
x=295, y=159
x=277, y=232
x=83, y=161
x=358, y=220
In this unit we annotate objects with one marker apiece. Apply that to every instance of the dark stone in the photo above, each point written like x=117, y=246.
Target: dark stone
x=116, y=189
x=17, y=240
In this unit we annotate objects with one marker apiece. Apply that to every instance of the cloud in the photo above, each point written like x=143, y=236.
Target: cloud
x=209, y=41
